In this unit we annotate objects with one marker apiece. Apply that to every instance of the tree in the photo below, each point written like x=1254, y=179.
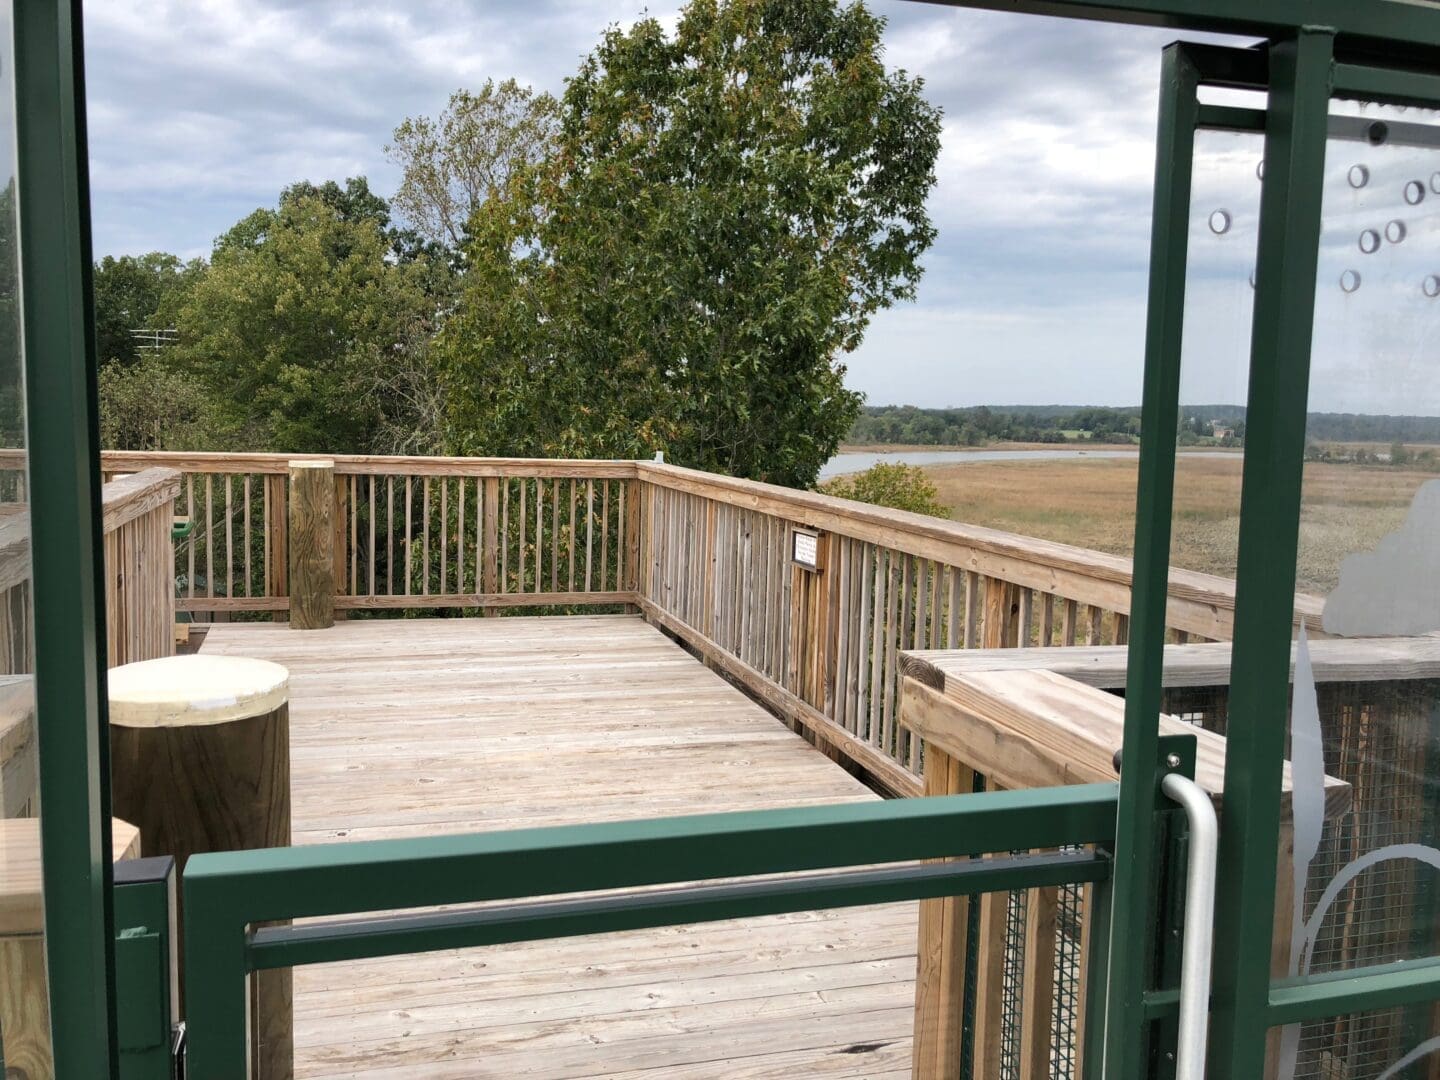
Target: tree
x=903, y=487
x=722, y=214
x=12, y=379
x=456, y=161
x=135, y=292
x=148, y=405
x=302, y=320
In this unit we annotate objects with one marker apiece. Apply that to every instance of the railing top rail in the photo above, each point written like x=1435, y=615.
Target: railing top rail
x=122, y=500
x=370, y=464
x=128, y=497
x=972, y=546
x=1335, y=660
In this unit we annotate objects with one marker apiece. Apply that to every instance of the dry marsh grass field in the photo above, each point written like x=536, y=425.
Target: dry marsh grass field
x=1347, y=508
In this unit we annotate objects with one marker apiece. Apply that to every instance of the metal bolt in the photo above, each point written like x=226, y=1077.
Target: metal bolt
x=1173, y=760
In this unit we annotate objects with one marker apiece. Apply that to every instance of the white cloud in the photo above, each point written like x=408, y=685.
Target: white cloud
x=1035, y=288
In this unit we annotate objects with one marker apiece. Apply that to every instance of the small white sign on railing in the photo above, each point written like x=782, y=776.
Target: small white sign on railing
x=805, y=549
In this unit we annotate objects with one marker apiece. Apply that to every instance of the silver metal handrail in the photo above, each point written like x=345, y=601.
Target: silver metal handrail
x=1199, y=924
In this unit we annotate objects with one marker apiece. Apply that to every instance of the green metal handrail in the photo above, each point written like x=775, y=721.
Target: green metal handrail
x=226, y=893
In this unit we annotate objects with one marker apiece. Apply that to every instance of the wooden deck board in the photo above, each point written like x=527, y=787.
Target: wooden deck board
x=414, y=727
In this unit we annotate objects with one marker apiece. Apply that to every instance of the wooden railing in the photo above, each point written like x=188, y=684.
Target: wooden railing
x=139, y=557
x=706, y=557
x=137, y=511
x=825, y=647
x=407, y=532
x=139, y=611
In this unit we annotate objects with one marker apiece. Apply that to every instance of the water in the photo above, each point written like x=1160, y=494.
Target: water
x=859, y=461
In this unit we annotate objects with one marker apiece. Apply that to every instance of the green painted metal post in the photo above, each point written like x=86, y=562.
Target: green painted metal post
x=1132, y=903
x=1290, y=206
x=67, y=554
x=217, y=998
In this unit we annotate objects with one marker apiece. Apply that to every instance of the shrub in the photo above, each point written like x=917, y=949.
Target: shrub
x=903, y=487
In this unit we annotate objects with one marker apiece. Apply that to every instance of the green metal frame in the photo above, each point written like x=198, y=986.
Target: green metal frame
x=65, y=540
x=1286, y=266
x=225, y=894
x=1135, y=841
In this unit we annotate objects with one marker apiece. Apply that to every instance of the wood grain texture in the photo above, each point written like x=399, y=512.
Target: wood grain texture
x=1203, y=664
x=1199, y=602
x=941, y=949
x=140, y=566
x=312, y=545
x=1039, y=728
x=419, y=727
x=25, y=1009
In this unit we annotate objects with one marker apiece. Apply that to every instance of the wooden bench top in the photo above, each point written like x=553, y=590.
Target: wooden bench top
x=1202, y=664
x=1031, y=728
x=17, y=706
x=21, y=909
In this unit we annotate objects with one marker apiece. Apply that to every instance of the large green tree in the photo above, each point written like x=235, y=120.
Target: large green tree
x=305, y=326
x=722, y=213
x=456, y=161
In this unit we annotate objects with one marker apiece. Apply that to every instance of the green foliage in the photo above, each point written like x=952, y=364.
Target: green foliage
x=723, y=213
x=12, y=402
x=148, y=405
x=136, y=292
x=305, y=327
x=902, y=487
x=458, y=160
x=982, y=424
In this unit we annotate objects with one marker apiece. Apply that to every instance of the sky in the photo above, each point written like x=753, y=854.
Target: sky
x=1034, y=291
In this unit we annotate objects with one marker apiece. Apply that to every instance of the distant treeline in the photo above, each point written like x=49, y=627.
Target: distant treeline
x=1220, y=424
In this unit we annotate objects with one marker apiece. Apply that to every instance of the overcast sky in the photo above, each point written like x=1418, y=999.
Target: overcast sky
x=1034, y=291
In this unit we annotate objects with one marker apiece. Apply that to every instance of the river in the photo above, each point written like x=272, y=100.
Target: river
x=860, y=460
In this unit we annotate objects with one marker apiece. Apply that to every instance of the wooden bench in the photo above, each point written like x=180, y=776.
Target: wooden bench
x=24, y=990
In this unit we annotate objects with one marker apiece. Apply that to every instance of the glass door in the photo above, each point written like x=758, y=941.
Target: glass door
x=1315, y=241
x=25, y=1046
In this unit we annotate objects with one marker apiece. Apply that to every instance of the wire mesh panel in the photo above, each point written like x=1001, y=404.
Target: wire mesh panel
x=1383, y=739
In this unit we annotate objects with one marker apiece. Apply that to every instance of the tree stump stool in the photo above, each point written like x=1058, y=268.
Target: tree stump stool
x=200, y=761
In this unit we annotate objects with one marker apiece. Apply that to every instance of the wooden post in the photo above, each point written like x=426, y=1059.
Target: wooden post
x=312, y=544
x=1037, y=994
x=490, y=552
x=200, y=761
x=277, y=534
x=340, y=551
x=940, y=974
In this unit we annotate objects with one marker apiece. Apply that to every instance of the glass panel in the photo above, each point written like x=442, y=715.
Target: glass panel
x=24, y=1023
x=1362, y=877
x=1214, y=371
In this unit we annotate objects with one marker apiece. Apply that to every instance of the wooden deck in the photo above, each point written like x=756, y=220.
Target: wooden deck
x=414, y=727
